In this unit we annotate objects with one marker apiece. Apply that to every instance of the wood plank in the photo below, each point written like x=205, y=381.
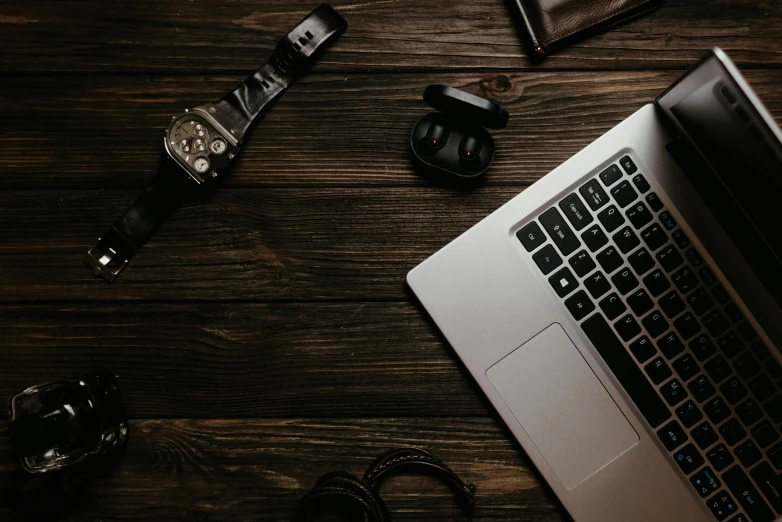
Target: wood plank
x=217, y=360
x=205, y=36
x=242, y=244
x=222, y=470
x=105, y=132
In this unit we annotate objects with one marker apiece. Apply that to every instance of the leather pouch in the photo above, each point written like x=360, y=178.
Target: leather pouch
x=549, y=24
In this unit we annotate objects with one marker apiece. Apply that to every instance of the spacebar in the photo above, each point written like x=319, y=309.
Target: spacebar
x=622, y=365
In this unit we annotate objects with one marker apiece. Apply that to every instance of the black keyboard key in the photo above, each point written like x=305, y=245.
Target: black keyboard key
x=747, y=366
x=774, y=369
x=627, y=327
x=641, y=261
x=720, y=294
x=689, y=414
x=624, y=194
x=673, y=392
x=672, y=304
x=638, y=214
x=670, y=345
x=705, y=482
x=680, y=238
x=597, y=284
x=730, y=344
x=563, y=282
x=707, y=276
x=609, y=259
x=672, y=435
x=687, y=326
x=654, y=236
x=747, y=332
x=594, y=238
x=765, y=434
x=700, y=301
x=575, y=211
x=770, y=484
x=733, y=432
x=531, y=236
x=580, y=305
x=715, y=322
x=704, y=435
x=747, y=452
x=669, y=258
x=560, y=231
x=655, y=324
x=702, y=347
x=547, y=259
x=643, y=349
x=720, y=457
x=733, y=390
x=748, y=496
x=626, y=240
x=701, y=388
x=582, y=263
x=611, y=218
x=774, y=408
x=628, y=165
x=760, y=350
x=716, y=409
x=749, y=412
x=658, y=370
x=612, y=306
x=657, y=283
x=667, y=220
x=641, y=184
x=762, y=387
x=654, y=202
x=722, y=505
x=611, y=175
x=594, y=194
x=640, y=302
x=694, y=258
x=624, y=281
x=688, y=458
x=775, y=456
x=685, y=280
x=625, y=370
x=718, y=369
x=733, y=313
x=686, y=367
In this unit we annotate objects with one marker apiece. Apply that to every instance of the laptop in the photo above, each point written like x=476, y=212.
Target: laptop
x=624, y=313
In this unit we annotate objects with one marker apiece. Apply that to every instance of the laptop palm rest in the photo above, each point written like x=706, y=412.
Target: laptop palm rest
x=562, y=406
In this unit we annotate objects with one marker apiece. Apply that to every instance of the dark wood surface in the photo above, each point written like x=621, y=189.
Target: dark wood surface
x=265, y=336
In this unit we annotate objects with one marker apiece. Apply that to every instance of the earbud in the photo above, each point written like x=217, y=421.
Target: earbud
x=435, y=139
x=469, y=150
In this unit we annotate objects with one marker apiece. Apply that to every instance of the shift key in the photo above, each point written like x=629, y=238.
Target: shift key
x=770, y=484
x=746, y=494
x=560, y=231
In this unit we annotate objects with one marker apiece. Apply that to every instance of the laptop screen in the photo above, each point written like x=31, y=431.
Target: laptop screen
x=736, y=165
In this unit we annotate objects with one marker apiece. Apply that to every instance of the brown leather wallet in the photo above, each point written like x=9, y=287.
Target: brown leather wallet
x=548, y=24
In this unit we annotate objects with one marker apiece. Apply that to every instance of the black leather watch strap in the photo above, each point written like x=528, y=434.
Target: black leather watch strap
x=293, y=55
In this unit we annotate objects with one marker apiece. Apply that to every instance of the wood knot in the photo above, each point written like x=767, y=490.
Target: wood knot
x=499, y=84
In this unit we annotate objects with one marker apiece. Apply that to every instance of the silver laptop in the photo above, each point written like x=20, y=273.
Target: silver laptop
x=624, y=313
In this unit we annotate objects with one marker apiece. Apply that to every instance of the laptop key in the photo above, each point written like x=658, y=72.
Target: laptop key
x=641, y=184
x=673, y=392
x=685, y=280
x=720, y=457
x=560, y=231
x=611, y=218
x=643, y=349
x=667, y=220
x=582, y=263
x=641, y=261
x=760, y=350
x=657, y=283
x=654, y=202
x=576, y=211
x=722, y=505
x=689, y=414
x=748, y=496
x=658, y=370
x=594, y=194
x=687, y=326
x=531, y=236
x=672, y=304
x=638, y=214
x=774, y=408
x=774, y=369
x=715, y=322
x=618, y=359
x=702, y=347
x=654, y=236
x=624, y=194
x=707, y=276
x=580, y=305
x=610, y=175
x=733, y=313
x=626, y=240
x=733, y=390
x=597, y=284
x=747, y=332
x=563, y=282
x=612, y=306
x=655, y=324
x=640, y=302
x=716, y=409
x=746, y=366
x=733, y=432
x=686, y=367
x=669, y=258
x=765, y=434
x=700, y=301
x=594, y=238
x=775, y=456
x=720, y=294
x=701, y=388
x=624, y=281
x=680, y=238
x=672, y=435
x=749, y=412
x=718, y=369
x=609, y=259
x=628, y=165
x=670, y=345
x=547, y=259
x=762, y=387
x=704, y=435
x=688, y=458
x=705, y=482
x=769, y=483
x=627, y=327
x=730, y=344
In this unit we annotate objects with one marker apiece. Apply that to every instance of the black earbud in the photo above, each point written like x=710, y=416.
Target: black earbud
x=436, y=138
x=470, y=150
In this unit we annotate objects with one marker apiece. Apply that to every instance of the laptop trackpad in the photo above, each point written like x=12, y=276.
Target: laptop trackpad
x=562, y=406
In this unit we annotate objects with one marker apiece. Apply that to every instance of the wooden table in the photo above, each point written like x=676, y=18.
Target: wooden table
x=265, y=336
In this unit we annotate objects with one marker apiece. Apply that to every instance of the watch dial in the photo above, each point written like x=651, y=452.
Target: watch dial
x=196, y=142
x=201, y=164
x=218, y=146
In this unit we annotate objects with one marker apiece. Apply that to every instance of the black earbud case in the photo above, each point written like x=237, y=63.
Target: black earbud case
x=468, y=148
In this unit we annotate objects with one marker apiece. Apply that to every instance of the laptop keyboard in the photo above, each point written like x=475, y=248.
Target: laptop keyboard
x=669, y=331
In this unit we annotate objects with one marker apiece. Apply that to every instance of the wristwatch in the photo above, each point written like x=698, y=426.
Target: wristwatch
x=200, y=143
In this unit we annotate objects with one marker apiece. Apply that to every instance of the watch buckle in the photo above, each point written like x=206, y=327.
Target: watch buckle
x=108, y=261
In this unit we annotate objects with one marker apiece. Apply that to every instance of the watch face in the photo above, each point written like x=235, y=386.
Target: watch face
x=196, y=143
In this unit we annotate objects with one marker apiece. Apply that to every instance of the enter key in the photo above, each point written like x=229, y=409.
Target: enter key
x=770, y=484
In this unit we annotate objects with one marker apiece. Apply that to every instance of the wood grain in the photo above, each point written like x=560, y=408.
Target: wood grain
x=105, y=132
x=384, y=35
x=258, y=469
